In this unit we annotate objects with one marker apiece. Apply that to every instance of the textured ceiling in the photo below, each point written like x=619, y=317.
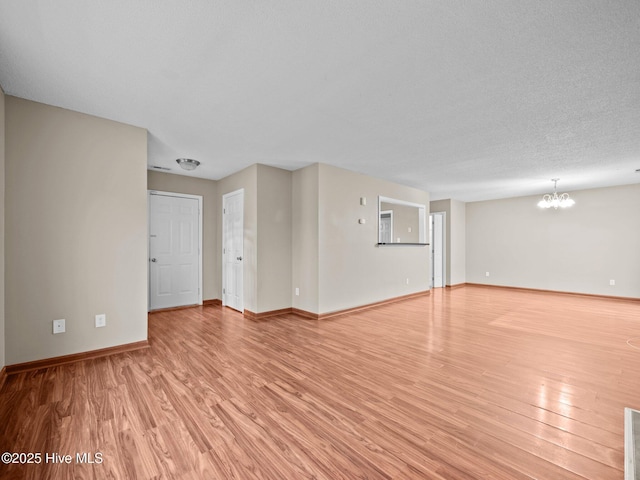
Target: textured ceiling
x=467, y=100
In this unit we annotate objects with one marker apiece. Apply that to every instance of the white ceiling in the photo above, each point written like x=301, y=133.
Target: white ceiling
x=467, y=100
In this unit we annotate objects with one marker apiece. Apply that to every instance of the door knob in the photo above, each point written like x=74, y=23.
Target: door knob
x=153, y=260
x=238, y=258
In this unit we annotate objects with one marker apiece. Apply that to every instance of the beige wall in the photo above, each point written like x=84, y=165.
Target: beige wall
x=574, y=250
x=247, y=179
x=301, y=230
x=2, y=206
x=76, y=228
x=274, y=239
x=457, y=251
x=208, y=189
x=304, y=238
x=75, y=242
x=405, y=218
x=267, y=237
x=455, y=239
x=353, y=270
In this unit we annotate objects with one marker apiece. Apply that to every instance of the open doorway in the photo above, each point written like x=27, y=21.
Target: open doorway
x=437, y=221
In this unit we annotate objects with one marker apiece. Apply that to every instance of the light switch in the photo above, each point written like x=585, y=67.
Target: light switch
x=101, y=320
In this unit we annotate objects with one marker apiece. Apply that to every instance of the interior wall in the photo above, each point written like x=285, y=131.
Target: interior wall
x=405, y=218
x=247, y=179
x=579, y=249
x=274, y=239
x=2, y=207
x=76, y=231
x=208, y=189
x=457, y=240
x=304, y=238
x=353, y=270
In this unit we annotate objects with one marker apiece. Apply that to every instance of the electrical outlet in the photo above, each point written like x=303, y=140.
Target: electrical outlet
x=58, y=326
x=486, y=274
x=612, y=282
x=297, y=291
x=101, y=320
x=407, y=281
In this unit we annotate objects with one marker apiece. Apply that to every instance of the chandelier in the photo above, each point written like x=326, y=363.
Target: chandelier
x=555, y=200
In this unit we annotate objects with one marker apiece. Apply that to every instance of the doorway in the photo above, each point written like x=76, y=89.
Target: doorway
x=437, y=241
x=233, y=250
x=175, y=250
x=386, y=226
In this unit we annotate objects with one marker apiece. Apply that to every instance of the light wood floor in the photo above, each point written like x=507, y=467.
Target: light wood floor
x=469, y=383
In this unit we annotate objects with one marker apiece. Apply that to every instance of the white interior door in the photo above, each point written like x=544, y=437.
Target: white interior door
x=174, y=251
x=233, y=250
x=386, y=226
x=437, y=249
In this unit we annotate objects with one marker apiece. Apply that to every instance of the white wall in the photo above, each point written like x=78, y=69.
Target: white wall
x=352, y=269
x=208, y=189
x=572, y=250
x=76, y=231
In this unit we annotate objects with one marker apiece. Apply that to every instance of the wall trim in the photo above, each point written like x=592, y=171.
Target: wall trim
x=323, y=316
x=170, y=309
x=249, y=315
x=75, y=357
x=457, y=285
x=304, y=314
x=336, y=313
x=212, y=301
x=3, y=377
x=541, y=290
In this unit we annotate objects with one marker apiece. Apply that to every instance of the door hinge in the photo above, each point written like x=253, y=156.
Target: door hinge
x=224, y=290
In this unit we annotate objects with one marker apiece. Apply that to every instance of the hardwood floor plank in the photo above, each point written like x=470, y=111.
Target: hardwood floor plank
x=467, y=383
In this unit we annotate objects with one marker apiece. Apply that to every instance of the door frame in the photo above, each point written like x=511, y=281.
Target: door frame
x=444, y=248
x=182, y=195
x=222, y=249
